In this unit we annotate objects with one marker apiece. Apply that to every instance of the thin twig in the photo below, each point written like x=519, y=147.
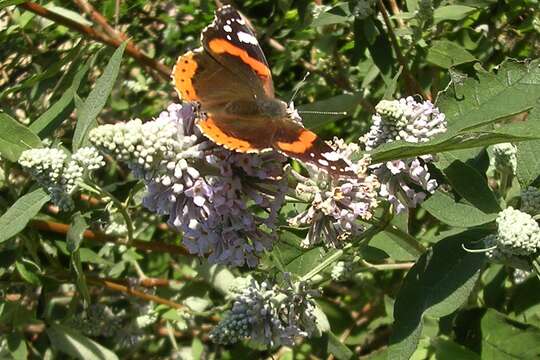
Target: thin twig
x=396, y=12
x=152, y=64
x=99, y=19
x=130, y=291
x=412, y=85
x=96, y=236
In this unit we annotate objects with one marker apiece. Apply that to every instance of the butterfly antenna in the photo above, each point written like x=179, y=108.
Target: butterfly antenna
x=344, y=113
x=298, y=87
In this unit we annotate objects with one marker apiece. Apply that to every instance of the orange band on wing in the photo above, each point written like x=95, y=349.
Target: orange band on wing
x=223, y=46
x=183, y=73
x=214, y=133
x=302, y=144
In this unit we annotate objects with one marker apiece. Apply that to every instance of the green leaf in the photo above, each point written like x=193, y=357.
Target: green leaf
x=437, y=285
x=446, y=349
x=6, y=3
x=60, y=110
x=470, y=184
x=392, y=245
x=444, y=208
x=447, y=54
x=337, y=348
x=27, y=274
x=513, y=89
x=452, y=12
x=17, y=346
x=337, y=14
x=73, y=343
x=503, y=338
x=86, y=117
x=304, y=263
x=528, y=162
x=15, y=138
x=345, y=103
x=76, y=231
x=19, y=214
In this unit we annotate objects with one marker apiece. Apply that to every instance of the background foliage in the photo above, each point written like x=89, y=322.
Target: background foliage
x=412, y=289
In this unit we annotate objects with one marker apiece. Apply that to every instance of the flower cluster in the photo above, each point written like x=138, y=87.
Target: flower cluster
x=530, y=201
x=58, y=173
x=503, y=158
x=269, y=315
x=410, y=121
x=336, y=205
x=225, y=203
x=517, y=239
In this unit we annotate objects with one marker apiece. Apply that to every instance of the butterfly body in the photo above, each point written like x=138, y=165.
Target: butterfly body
x=231, y=80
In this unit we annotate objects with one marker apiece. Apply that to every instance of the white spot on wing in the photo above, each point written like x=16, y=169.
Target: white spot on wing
x=246, y=38
x=312, y=155
x=323, y=162
x=241, y=21
x=227, y=28
x=229, y=37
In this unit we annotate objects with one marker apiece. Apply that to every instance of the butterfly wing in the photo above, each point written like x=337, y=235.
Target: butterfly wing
x=232, y=42
x=233, y=119
x=300, y=143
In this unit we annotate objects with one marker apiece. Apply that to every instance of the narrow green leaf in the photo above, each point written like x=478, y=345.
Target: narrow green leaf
x=304, y=263
x=75, y=232
x=80, y=277
x=73, y=343
x=452, y=12
x=437, y=285
x=503, y=338
x=19, y=214
x=6, y=3
x=86, y=117
x=447, y=54
x=17, y=346
x=528, y=162
x=470, y=184
x=444, y=208
x=337, y=348
x=15, y=138
x=27, y=274
x=50, y=119
x=396, y=249
x=446, y=349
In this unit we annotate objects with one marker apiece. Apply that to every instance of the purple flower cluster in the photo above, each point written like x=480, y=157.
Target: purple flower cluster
x=411, y=121
x=225, y=203
x=336, y=205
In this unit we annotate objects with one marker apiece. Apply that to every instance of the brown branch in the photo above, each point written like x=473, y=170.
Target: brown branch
x=412, y=85
x=96, y=236
x=152, y=64
x=99, y=19
x=396, y=12
x=130, y=291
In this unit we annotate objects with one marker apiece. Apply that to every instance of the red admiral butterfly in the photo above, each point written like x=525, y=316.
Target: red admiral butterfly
x=230, y=78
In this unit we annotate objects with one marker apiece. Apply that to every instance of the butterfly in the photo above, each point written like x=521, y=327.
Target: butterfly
x=231, y=80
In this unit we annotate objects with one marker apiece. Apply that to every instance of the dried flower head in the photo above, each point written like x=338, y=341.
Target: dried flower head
x=503, y=158
x=530, y=201
x=225, y=203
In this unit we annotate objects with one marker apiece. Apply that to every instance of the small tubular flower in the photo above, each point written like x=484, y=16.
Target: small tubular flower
x=269, y=315
x=516, y=241
x=410, y=121
x=335, y=205
x=530, y=201
x=225, y=203
x=58, y=173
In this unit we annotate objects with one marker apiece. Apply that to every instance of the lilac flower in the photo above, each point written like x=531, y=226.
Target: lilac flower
x=407, y=120
x=269, y=315
x=335, y=205
x=225, y=203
